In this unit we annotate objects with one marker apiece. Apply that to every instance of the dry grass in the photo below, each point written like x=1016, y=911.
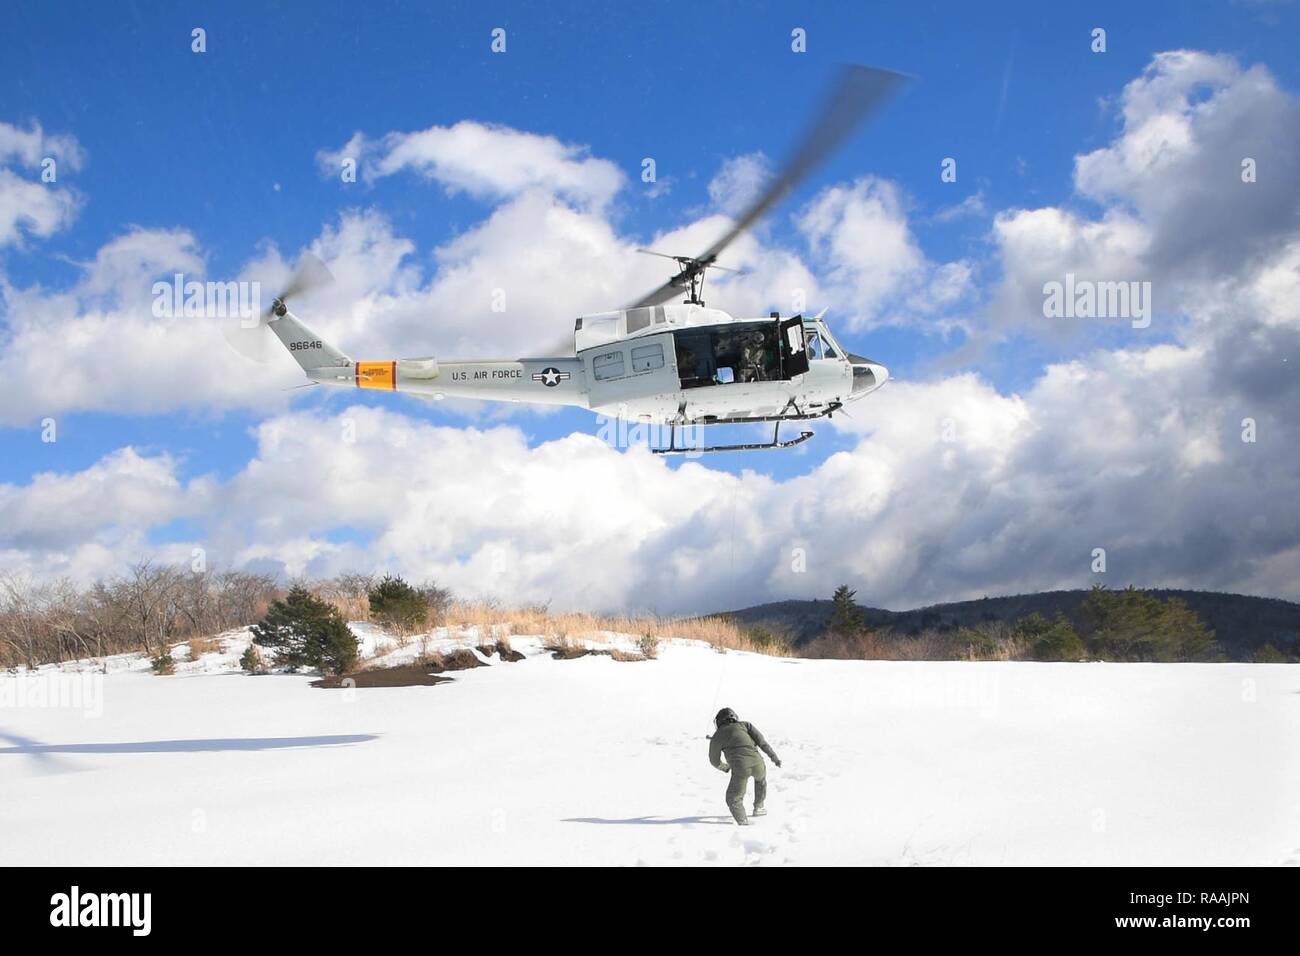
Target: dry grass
x=993, y=641
x=574, y=630
x=352, y=607
x=203, y=645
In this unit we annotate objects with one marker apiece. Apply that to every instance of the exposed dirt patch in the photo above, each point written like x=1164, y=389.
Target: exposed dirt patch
x=408, y=675
x=572, y=653
x=423, y=672
x=458, y=659
x=507, y=654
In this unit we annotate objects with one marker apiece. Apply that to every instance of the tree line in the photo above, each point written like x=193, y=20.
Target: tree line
x=1112, y=625
x=151, y=606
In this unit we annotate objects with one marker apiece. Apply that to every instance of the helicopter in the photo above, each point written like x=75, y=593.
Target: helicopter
x=656, y=361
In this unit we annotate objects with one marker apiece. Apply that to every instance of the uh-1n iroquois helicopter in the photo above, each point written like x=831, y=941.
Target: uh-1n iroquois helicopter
x=657, y=362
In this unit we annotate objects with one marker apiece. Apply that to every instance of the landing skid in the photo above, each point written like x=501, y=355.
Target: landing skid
x=760, y=446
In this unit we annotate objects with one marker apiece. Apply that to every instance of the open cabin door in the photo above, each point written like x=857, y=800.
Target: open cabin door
x=794, y=349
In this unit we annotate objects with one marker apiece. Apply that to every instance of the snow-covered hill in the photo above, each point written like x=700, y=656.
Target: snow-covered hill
x=599, y=761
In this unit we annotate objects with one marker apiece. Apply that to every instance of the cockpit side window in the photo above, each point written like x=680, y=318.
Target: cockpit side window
x=813, y=338
x=833, y=349
x=819, y=343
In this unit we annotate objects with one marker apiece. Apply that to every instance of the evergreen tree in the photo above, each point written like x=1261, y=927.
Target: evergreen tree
x=307, y=632
x=1268, y=654
x=1130, y=625
x=1054, y=640
x=846, y=617
x=396, y=604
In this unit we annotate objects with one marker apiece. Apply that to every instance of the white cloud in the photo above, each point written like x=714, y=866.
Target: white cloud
x=29, y=147
x=1174, y=208
x=1044, y=245
x=486, y=161
x=875, y=272
x=30, y=205
x=739, y=181
x=98, y=345
x=952, y=490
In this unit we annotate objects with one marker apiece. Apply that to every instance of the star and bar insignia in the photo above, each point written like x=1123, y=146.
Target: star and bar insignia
x=550, y=377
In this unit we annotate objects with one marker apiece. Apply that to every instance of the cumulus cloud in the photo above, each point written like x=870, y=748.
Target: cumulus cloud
x=951, y=490
x=739, y=181
x=1188, y=123
x=99, y=346
x=484, y=160
x=29, y=205
x=87, y=523
x=1174, y=209
x=875, y=271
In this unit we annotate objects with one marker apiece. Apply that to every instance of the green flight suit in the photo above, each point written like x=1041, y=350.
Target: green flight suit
x=740, y=742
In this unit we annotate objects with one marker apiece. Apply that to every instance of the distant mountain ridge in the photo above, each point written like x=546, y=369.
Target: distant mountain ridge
x=1241, y=623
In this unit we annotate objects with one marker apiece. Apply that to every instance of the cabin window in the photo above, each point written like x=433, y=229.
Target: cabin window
x=608, y=365
x=694, y=358
x=647, y=358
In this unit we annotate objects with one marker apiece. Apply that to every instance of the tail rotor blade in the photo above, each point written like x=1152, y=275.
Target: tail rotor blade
x=309, y=274
x=253, y=342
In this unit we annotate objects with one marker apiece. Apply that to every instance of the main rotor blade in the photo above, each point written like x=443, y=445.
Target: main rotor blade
x=859, y=92
x=661, y=255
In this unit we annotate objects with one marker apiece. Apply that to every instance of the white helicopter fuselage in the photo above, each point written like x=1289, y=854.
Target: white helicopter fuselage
x=670, y=364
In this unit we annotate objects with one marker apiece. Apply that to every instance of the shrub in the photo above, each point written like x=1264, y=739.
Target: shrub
x=396, y=604
x=306, y=631
x=976, y=643
x=1268, y=654
x=163, y=664
x=649, y=645
x=1054, y=640
x=252, y=660
x=766, y=640
x=436, y=601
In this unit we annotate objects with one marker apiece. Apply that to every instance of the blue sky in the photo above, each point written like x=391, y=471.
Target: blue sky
x=225, y=145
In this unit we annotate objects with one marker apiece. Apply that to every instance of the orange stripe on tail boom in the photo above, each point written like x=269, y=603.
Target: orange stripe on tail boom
x=377, y=375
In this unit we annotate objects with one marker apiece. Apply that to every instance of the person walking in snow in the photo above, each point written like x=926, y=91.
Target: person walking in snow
x=739, y=742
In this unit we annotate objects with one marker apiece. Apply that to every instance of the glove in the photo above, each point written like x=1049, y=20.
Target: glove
x=775, y=761
x=725, y=769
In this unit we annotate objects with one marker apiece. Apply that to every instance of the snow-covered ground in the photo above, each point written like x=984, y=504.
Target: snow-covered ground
x=596, y=761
